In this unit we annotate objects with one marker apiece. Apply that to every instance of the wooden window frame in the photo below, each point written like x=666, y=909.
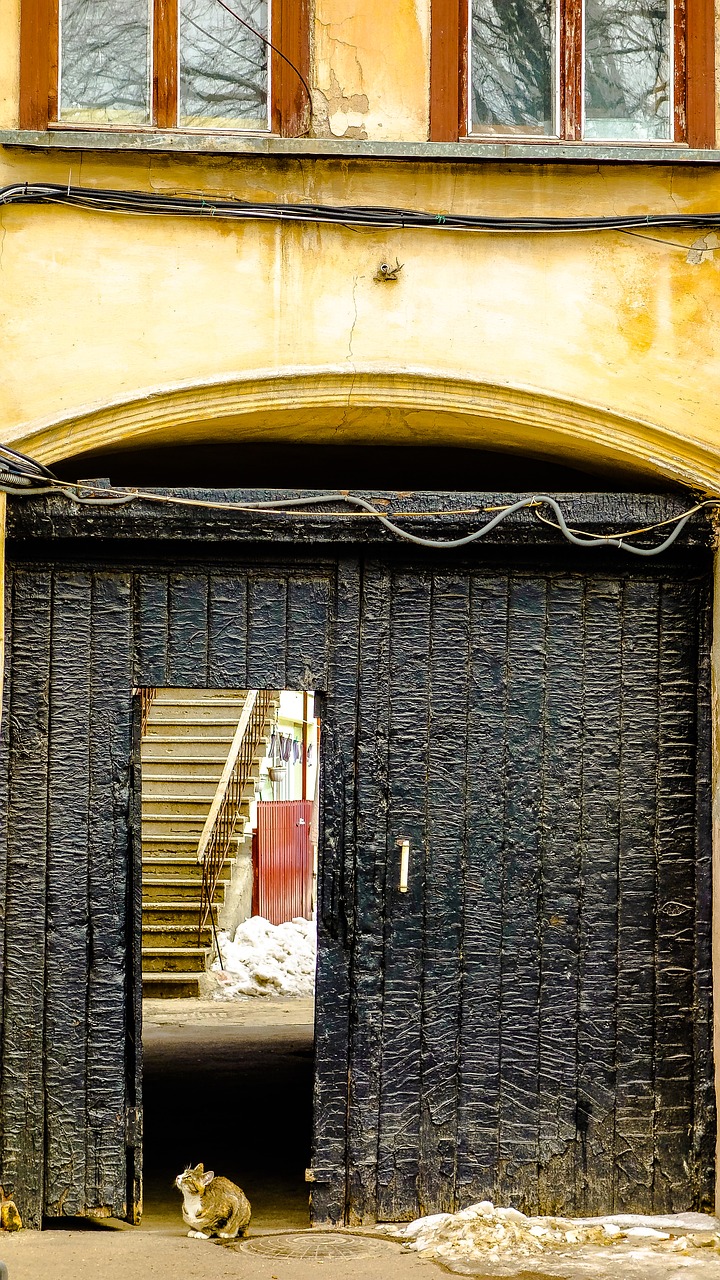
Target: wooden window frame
x=694, y=76
x=39, y=43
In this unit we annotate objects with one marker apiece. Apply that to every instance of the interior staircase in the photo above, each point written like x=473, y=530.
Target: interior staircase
x=186, y=740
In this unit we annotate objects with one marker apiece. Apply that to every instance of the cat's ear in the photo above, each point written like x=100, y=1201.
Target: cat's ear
x=198, y=1170
x=207, y=1178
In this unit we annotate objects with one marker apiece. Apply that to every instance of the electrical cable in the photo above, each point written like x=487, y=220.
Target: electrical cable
x=270, y=45
x=149, y=203
x=114, y=496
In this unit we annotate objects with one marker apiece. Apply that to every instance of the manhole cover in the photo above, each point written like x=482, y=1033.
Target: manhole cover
x=314, y=1245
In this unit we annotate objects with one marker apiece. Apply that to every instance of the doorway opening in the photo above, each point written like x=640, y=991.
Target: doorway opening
x=230, y=802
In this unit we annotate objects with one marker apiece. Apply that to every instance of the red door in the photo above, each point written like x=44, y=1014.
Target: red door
x=283, y=860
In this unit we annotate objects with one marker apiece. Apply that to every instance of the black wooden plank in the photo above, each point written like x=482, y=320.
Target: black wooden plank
x=4, y=788
x=479, y=1094
x=21, y=1093
x=110, y=1051
x=449, y=769
x=635, y=1098
x=67, y=950
x=335, y=897
x=227, y=639
x=370, y=891
x=705, y=1107
x=596, y=1033
x=308, y=614
x=518, y=1139
x=560, y=894
x=399, y=1131
x=675, y=917
x=267, y=632
x=151, y=630
x=188, y=631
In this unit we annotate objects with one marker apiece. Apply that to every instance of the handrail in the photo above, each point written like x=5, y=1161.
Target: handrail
x=217, y=833
x=148, y=695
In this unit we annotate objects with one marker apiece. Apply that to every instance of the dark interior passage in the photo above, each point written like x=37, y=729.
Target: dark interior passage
x=237, y=1097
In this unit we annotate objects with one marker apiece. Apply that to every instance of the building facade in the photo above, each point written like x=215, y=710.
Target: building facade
x=161, y=298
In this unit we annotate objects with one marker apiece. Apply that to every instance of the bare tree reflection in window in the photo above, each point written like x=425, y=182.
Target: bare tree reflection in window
x=511, y=88
x=627, y=69
x=223, y=66
x=104, y=61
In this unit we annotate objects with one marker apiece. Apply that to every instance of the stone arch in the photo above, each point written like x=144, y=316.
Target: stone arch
x=377, y=406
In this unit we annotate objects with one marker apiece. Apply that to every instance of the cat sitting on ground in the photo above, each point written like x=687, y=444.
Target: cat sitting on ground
x=212, y=1206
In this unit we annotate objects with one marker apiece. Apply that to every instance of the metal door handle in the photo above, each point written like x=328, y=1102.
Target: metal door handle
x=404, y=864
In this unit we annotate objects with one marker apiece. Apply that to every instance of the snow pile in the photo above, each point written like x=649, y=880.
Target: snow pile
x=484, y=1231
x=266, y=959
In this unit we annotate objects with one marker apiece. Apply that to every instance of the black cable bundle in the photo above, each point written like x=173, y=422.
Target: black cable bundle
x=155, y=203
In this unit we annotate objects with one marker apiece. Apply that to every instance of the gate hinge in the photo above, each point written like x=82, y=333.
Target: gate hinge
x=133, y=1127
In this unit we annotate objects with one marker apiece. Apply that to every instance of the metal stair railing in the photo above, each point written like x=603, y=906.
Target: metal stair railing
x=217, y=834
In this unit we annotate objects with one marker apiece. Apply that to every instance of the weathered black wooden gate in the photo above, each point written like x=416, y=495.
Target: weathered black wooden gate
x=531, y=1021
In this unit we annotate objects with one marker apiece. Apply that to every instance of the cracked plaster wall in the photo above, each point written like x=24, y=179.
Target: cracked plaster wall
x=371, y=69
x=99, y=309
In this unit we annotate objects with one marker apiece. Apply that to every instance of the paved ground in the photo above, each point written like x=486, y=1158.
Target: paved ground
x=230, y=1084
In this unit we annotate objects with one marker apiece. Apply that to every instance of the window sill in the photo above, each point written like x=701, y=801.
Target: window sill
x=168, y=142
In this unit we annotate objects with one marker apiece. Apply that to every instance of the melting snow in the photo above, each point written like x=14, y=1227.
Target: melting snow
x=492, y=1233
x=266, y=959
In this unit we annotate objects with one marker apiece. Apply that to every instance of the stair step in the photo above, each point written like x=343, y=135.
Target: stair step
x=181, y=870
x=176, y=935
x=174, y=960
x=171, y=986
x=176, y=889
x=168, y=797
x=173, y=913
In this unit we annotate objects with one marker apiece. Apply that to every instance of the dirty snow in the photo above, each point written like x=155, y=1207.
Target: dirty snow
x=498, y=1235
x=266, y=959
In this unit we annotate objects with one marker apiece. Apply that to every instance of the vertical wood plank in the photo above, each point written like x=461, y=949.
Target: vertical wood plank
x=449, y=769
x=370, y=892
x=596, y=1037
x=705, y=1106
x=37, y=33
x=518, y=1139
x=308, y=606
x=290, y=106
x=399, y=1130
x=151, y=630
x=482, y=915
x=560, y=894
x=336, y=869
x=267, y=632
x=4, y=788
x=227, y=640
x=571, y=70
x=165, y=64
x=675, y=900
x=113, y=1052
x=700, y=62
x=21, y=1091
x=67, y=949
x=188, y=630
x=447, y=30
x=635, y=1096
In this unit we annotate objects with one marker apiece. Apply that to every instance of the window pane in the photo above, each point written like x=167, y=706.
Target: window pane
x=628, y=69
x=512, y=67
x=104, y=61
x=223, y=66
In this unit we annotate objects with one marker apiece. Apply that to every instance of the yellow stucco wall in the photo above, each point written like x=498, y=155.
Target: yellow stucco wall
x=602, y=347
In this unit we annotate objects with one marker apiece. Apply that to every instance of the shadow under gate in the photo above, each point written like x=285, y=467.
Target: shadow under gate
x=529, y=1019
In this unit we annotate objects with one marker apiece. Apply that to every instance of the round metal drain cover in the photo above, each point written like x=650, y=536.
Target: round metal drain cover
x=313, y=1245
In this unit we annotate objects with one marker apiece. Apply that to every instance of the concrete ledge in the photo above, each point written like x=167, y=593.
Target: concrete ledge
x=176, y=141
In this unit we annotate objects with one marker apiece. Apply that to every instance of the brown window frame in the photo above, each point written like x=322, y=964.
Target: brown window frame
x=694, y=76
x=39, y=40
